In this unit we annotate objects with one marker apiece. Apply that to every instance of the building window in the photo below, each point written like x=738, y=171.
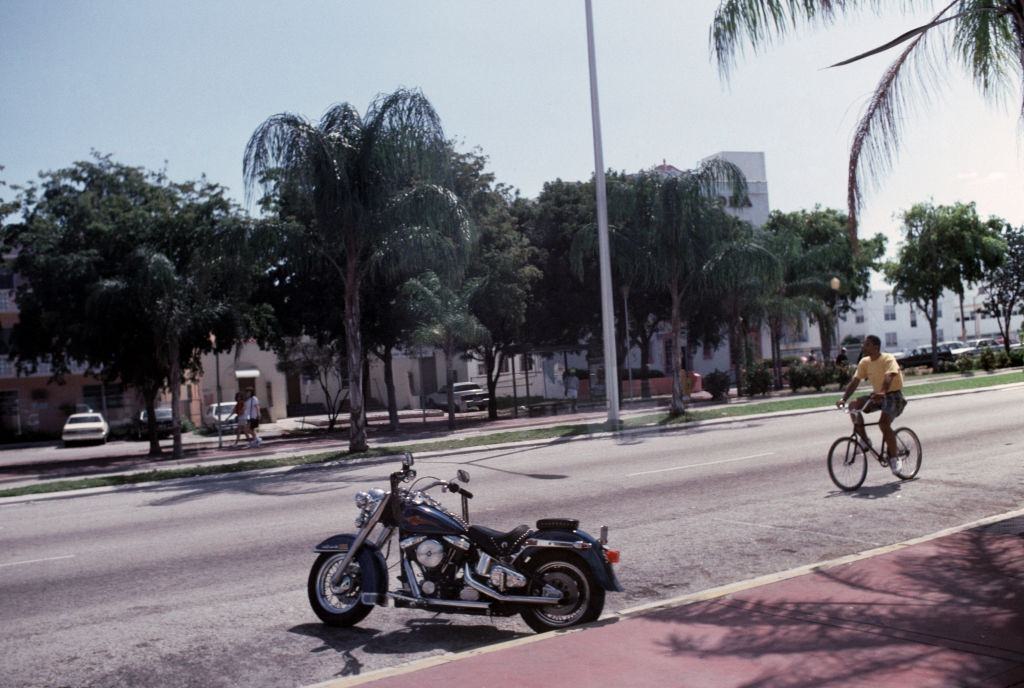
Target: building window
x=913, y=317
x=938, y=333
x=668, y=353
x=938, y=312
x=527, y=362
x=890, y=339
x=9, y=403
x=7, y=304
x=6, y=367
x=890, y=311
x=6, y=279
x=481, y=368
x=504, y=364
x=270, y=395
x=858, y=315
x=93, y=395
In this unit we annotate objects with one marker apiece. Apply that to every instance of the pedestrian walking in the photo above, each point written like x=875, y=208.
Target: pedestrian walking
x=252, y=418
x=241, y=427
x=572, y=387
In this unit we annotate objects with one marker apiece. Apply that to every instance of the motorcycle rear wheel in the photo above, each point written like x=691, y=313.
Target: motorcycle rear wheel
x=341, y=605
x=582, y=597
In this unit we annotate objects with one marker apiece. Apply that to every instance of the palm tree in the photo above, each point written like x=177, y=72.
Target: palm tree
x=375, y=188
x=445, y=321
x=673, y=226
x=986, y=36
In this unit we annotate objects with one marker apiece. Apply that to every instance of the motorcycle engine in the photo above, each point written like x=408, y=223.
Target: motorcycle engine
x=430, y=554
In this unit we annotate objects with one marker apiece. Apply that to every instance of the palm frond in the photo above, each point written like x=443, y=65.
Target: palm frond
x=988, y=42
x=876, y=138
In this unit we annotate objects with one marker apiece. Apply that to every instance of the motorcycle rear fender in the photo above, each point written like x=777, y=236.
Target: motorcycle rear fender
x=601, y=569
x=375, y=590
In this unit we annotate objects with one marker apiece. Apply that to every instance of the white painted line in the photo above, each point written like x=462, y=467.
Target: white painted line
x=697, y=465
x=36, y=561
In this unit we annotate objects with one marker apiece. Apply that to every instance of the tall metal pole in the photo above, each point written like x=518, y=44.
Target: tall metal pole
x=611, y=368
x=220, y=430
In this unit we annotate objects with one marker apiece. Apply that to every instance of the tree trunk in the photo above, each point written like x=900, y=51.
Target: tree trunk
x=354, y=341
x=149, y=398
x=775, y=330
x=389, y=384
x=492, y=370
x=645, y=363
x=173, y=347
x=448, y=369
x=963, y=323
x=676, y=407
x=367, y=393
x=933, y=323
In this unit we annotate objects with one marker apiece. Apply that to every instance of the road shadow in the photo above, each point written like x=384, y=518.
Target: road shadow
x=418, y=635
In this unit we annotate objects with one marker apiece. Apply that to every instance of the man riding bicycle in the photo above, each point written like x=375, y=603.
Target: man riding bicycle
x=886, y=379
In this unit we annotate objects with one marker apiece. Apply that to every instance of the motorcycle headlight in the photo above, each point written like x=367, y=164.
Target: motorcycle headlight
x=362, y=499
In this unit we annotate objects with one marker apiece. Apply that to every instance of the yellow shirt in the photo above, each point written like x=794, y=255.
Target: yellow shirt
x=875, y=372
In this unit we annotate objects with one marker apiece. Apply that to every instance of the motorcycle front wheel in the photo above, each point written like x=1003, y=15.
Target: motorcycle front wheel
x=582, y=598
x=338, y=605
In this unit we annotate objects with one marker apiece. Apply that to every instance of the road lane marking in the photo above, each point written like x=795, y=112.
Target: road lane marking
x=799, y=530
x=698, y=465
x=36, y=561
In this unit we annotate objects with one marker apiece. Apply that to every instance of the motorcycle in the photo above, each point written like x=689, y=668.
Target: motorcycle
x=555, y=575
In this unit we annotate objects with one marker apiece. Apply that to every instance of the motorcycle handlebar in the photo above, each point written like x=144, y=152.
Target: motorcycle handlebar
x=454, y=487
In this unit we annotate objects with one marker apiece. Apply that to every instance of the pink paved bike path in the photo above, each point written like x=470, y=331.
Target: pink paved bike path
x=946, y=612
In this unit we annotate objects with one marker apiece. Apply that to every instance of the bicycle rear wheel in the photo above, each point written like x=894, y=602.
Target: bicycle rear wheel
x=847, y=464
x=907, y=442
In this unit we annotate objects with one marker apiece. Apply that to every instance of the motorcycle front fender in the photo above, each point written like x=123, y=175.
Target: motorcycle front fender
x=601, y=569
x=369, y=555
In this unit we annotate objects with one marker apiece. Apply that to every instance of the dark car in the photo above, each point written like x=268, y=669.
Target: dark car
x=164, y=423
x=922, y=356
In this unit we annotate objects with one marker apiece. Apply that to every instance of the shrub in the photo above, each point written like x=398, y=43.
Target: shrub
x=843, y=374
x=1016, y=357
x=717, y=384
x=810, y=376
x=946, y=367
x=987, y=360
x=1002, y=359
x=965, y=364
x=758, y=380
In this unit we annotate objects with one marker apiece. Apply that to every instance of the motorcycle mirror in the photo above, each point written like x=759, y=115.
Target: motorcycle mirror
x=463, y=475
x=407, y=461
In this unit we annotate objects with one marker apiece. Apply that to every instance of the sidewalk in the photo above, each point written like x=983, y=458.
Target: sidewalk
x=944, y=610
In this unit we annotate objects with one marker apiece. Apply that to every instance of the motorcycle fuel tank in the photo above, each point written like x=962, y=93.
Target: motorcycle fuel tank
x=426, y=520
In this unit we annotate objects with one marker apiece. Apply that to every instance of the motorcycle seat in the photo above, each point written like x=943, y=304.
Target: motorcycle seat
x=498, y=543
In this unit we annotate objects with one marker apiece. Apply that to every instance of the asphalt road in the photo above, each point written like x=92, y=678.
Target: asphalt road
x=204, y=583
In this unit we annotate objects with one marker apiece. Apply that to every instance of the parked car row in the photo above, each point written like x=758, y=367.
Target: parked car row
x=947, y=351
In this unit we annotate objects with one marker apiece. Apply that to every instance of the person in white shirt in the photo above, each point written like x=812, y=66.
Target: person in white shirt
x=252, y=418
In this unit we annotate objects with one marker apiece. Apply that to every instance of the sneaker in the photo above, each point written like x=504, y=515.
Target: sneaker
x=864, y=445
x=896, y=464
x=259, y=441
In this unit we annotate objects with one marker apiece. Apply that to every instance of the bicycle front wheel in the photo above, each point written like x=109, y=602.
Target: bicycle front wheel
x=910, y=451
x=847, y=464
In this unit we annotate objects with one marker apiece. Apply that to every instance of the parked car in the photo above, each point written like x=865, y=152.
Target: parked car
x=85, y=427
x=976, y=345
x=956, y=347
x=468, y=396
x=164, y=423
x=922, y=356
x=224, y=412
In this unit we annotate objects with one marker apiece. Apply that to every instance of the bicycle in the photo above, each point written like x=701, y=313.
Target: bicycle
x=848, y=461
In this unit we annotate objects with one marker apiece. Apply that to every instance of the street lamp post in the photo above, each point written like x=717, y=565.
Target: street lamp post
x=216, y=365
x=611, y=373
x=835, y=284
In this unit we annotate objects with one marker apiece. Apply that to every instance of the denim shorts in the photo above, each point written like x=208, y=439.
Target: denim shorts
x=892, y=405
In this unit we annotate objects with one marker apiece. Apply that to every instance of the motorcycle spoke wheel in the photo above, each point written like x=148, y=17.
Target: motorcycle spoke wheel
x=582, y=599
x=337, y=605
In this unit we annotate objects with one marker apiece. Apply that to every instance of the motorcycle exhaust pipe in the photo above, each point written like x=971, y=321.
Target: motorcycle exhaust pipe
x=467, y=577
x=424, y=602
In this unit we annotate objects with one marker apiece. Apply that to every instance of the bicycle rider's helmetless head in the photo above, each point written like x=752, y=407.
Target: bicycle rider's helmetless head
x=871, y=346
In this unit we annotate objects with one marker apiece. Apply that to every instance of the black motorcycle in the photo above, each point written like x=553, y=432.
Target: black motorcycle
x=554, y=575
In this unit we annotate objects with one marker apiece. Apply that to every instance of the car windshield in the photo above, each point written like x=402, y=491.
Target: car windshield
x=76, y=420
x=163, y=413
x=222, y=409
x=465, y=387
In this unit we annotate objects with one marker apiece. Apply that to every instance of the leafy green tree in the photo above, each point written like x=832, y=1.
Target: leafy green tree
x=926, y=265
x=813, y=249
x=1004, y=286
x=985, y=36
x=446, y=321
x=684, y=225
x=374, y=193
x=128, y=274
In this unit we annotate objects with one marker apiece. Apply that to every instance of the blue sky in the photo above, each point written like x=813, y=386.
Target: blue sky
x=184, y=84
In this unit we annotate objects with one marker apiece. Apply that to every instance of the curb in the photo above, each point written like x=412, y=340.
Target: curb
x=629, y=432
x=680, y=601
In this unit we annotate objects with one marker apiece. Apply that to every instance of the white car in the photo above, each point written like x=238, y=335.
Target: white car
x=467, y=395
x=224, y=411
x=85, y=427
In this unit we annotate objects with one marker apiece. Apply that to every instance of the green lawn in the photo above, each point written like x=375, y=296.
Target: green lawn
x=560, y=431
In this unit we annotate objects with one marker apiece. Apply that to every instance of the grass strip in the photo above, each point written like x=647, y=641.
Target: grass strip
x=555, y=432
